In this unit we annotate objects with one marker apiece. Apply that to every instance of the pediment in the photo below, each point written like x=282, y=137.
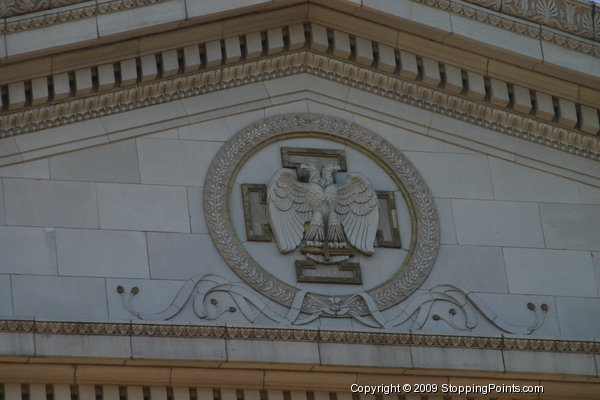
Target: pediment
x=181, y=75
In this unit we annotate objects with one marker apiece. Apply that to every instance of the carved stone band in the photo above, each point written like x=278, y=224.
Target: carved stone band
x=225, y=166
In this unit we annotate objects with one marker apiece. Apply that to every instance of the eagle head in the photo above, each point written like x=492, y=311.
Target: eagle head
x=327, y=173
x=312, y=170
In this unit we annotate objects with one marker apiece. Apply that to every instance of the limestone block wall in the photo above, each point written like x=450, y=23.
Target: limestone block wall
x=518, y=221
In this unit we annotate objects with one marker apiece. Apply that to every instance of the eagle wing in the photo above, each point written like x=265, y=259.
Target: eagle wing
x=358, y=208
x=287, y=209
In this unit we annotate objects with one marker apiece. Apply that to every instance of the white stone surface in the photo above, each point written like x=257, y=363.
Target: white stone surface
x=296, y=37
x=497, y=223
x=571, y=226
x=16, y=95
x=196, y=208
x=2, y=215
x=39, y=91
x=178, y=348
x=431, y=72
x=182, y=256
x=219, y=129
x=408, y=65
x=175, y=162
x=386, y=58
x=233, y=50
x=198, y=9
x=450, y=358
x=470, y=268
x=18, y=344
x=521, y=99
x=578, y=316
x=475, y=86
x=32, y=169
x=59, y=297
x=213, y=53
x=147, y=116
x=191, y=58
x=59, y=135
x=83, y=81
x=60, y=86
x=498, y=93
x=170, y=63
x=274, y=41
x=341, y=44
x=567, y=113
x=250, y=93
x=140, y=17
x=403, y=139
x=544, y=106
x=556, y=161
x=106, y=77
x=158, y=393
x=446, y=218
x=82, y=345
x=495, y=41
x=550, y=272
x=566, y=59
x=453, y=81
x=300, y=352
x=589, y=194
x=454, y=175
x=364, y=51
x=128, y=72
x=102, y=253
x=549, y=362
x=56, y=35
x=143, y=207
x=437, y=22
x=27, y=251
x=588, y=120
x=318, y=38
x=148, y=68
x=519, y=183
x=50, y=203
x=253, y=45
x=365, y=355
x=115, y=162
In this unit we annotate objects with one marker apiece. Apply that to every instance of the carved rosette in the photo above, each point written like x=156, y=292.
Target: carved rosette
x=425, y=226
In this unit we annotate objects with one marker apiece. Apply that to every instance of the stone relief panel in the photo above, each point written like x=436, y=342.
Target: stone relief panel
x=382, y=218
x=571, y=16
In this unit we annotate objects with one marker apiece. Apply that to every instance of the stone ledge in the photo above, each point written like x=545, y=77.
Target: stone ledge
x=505, y=342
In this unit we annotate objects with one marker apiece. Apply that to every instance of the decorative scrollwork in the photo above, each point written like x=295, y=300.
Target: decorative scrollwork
x=425, y=242
x=200, y=291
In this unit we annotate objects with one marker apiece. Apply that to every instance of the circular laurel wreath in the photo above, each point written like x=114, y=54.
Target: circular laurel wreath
x=234, y=153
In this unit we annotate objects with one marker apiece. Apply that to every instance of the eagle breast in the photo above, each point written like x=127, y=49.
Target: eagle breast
x=325, y=206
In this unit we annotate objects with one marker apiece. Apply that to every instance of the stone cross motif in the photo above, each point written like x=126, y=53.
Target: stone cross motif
x=330, y=221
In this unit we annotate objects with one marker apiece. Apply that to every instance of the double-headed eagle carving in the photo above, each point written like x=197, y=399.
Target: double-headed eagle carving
x=326, y=215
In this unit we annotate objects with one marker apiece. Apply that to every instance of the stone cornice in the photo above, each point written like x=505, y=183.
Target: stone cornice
x=244, y=332
x=59, y=13
x=561, y=22
x=544, y=22
x=427, y=87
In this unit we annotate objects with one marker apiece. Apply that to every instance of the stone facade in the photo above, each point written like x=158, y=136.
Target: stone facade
x=127, y=265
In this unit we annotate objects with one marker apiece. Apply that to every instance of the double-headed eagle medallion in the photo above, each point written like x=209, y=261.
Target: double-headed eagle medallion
x=329, y=217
